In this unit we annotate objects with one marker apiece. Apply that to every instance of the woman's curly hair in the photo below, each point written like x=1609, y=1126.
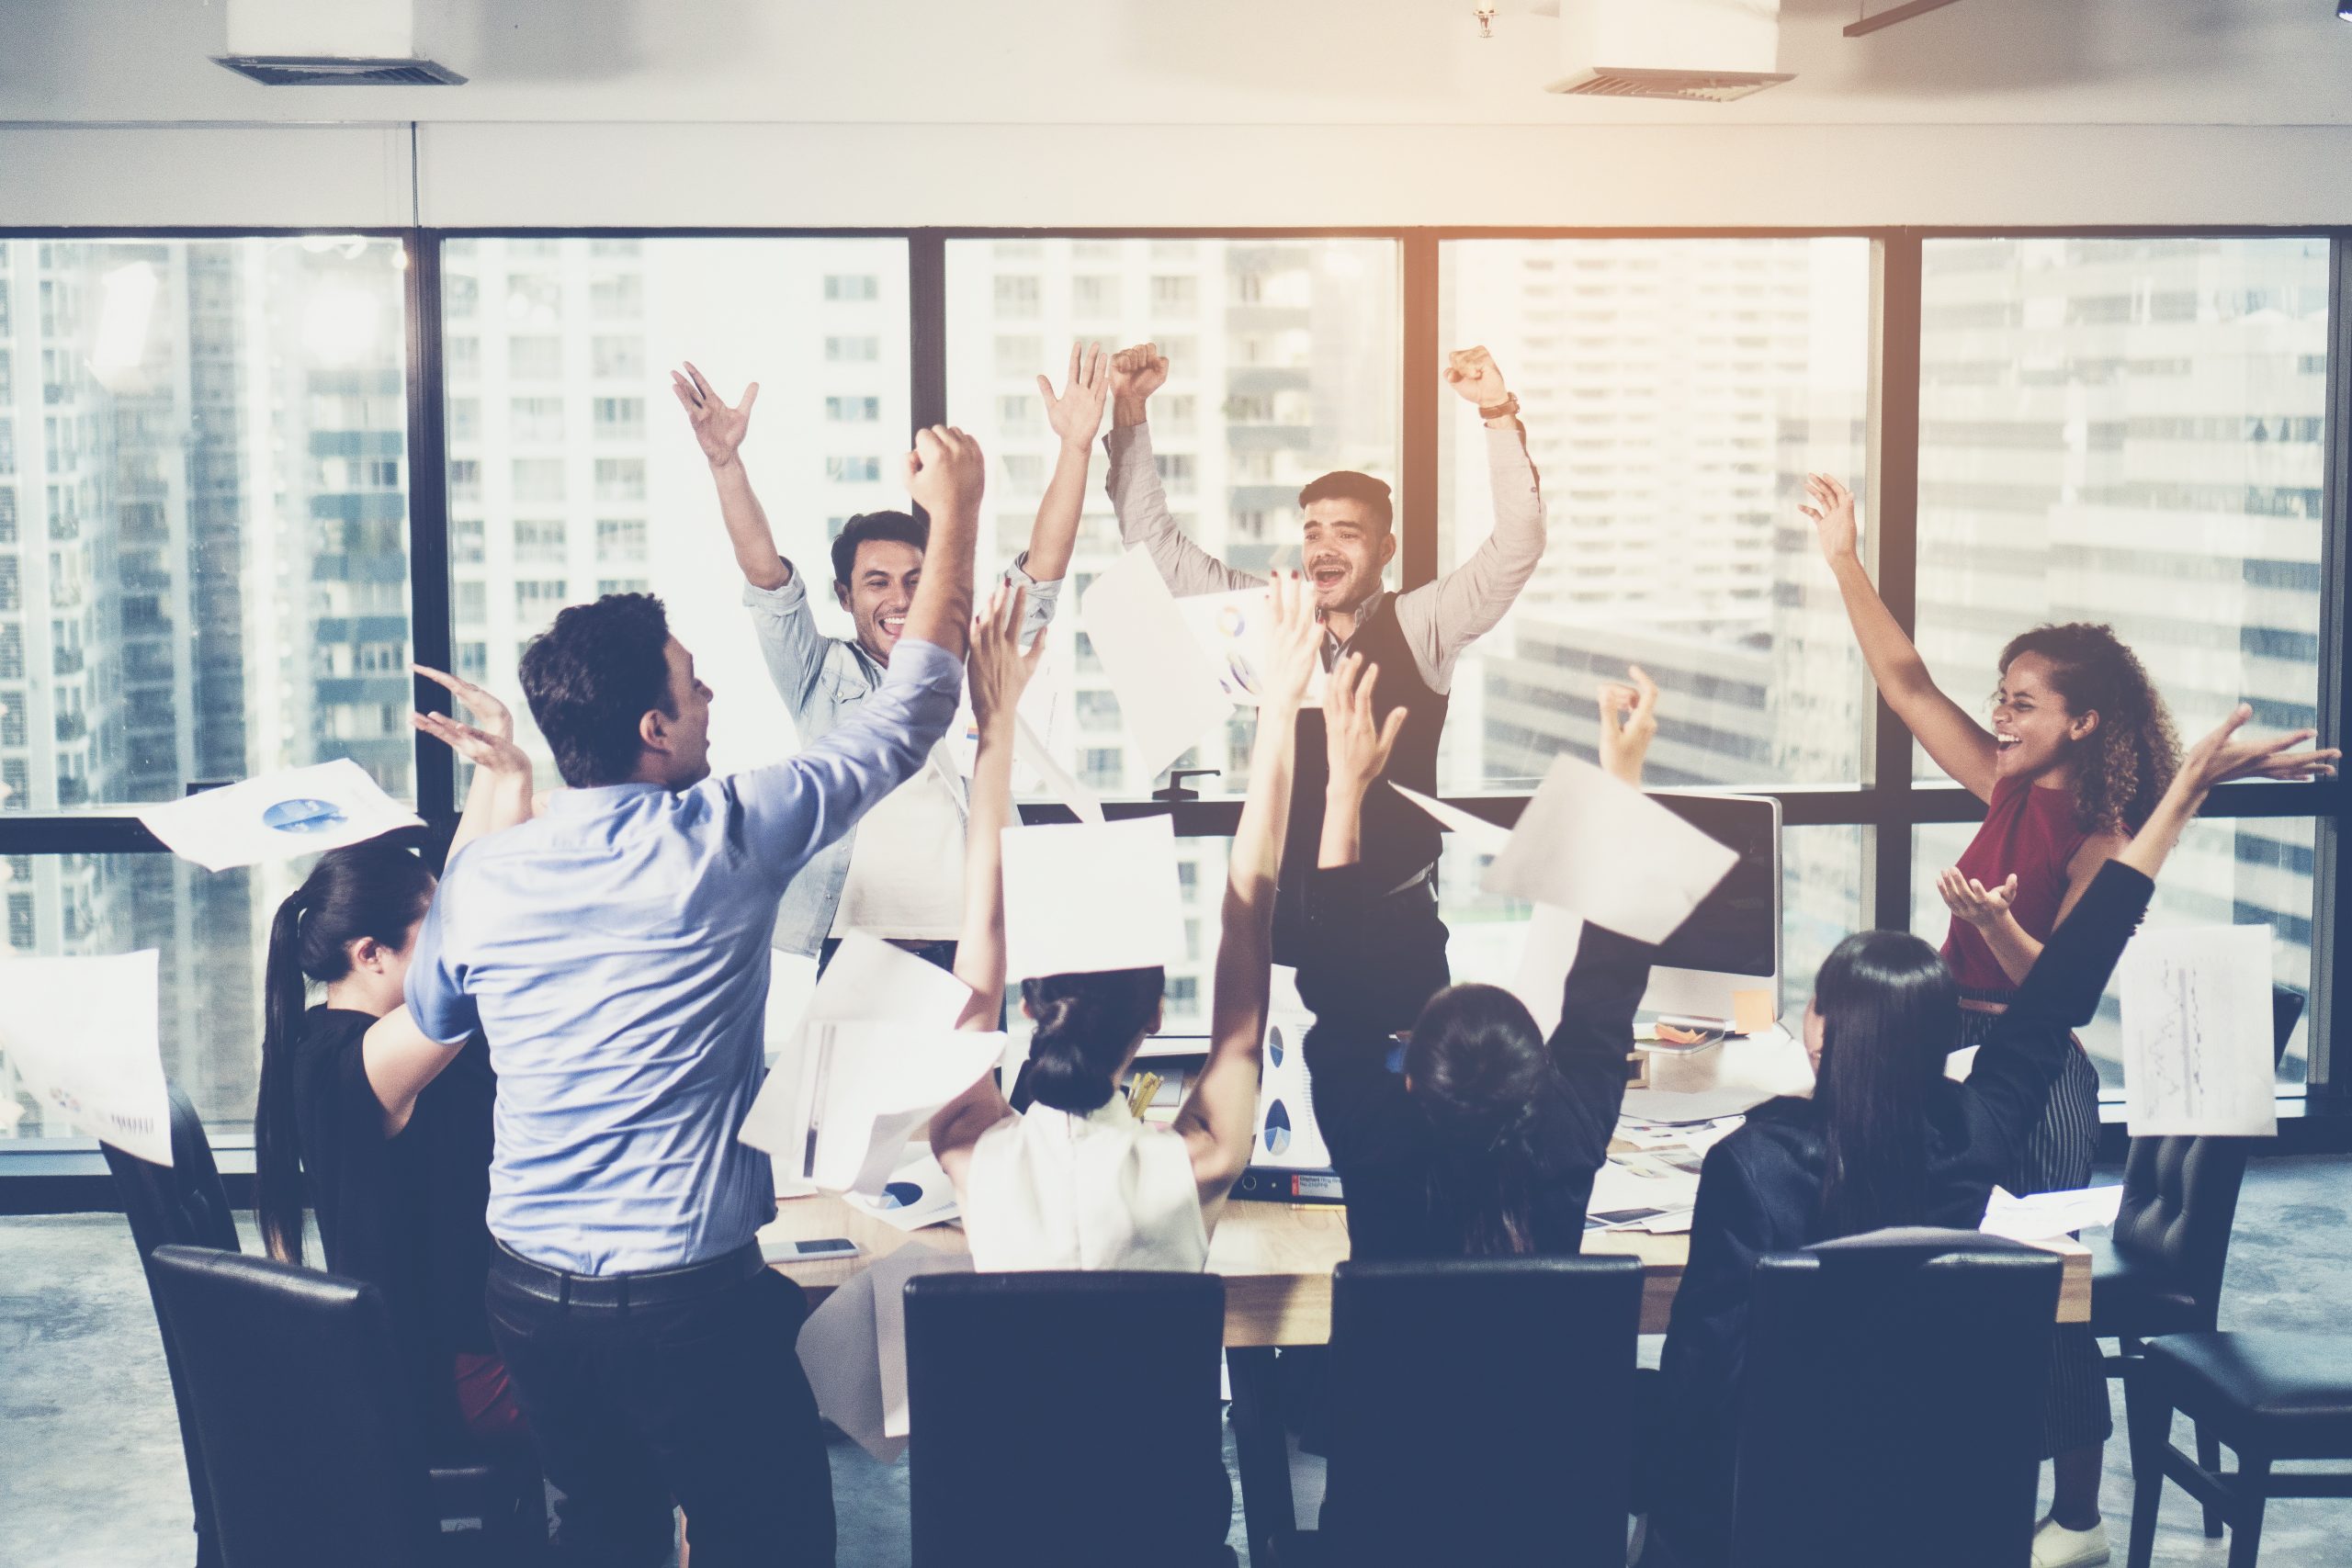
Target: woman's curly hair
x=2130, y=759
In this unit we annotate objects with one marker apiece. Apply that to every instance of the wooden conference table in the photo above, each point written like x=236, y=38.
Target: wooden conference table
x=1276, y=1260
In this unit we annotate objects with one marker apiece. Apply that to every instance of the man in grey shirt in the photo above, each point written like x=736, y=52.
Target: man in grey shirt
x=1410, y=641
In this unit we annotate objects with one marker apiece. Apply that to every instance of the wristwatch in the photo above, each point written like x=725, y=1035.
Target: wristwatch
x=1504, y=410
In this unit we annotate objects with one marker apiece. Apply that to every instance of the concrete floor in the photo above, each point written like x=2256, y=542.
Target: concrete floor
x=91, y=1474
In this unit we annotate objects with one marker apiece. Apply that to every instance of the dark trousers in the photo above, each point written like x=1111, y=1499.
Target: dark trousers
x=692, y=1392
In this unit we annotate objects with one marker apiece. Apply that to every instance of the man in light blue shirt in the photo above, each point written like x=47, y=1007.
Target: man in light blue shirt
x=616, y=952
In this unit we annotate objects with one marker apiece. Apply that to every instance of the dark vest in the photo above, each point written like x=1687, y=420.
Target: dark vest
x=1400, y=839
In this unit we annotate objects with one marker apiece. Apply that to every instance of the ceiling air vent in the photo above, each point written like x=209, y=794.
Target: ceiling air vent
x=347, y=43
x=1703, y=50
x=324, y=71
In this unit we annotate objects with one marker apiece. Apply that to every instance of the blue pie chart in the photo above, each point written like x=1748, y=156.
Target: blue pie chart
x=1277, y=1128
x=303, y=816
x=1274, y=1046
x=901, y=1195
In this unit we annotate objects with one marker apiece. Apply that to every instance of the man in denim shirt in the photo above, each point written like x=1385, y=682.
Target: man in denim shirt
x=902, y=880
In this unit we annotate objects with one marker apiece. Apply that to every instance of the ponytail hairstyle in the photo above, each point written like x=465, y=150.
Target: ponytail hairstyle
x=1890, y=1014
x=2127, y=762
x=1481, y=1074
x=370, y=890
x=1085, y=1025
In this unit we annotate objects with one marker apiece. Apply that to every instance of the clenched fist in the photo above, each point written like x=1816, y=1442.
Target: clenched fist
x=946, y=472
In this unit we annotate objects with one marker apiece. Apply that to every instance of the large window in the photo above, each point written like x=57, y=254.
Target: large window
x=607, y=491
x=2130, y=432
x=204, y=539
x=1675, y=394
x=1282, y=365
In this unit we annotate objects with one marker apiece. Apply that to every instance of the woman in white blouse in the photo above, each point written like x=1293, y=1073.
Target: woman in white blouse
x=1077, y=1182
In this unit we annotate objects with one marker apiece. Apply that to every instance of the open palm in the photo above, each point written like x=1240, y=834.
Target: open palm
x=719, y=427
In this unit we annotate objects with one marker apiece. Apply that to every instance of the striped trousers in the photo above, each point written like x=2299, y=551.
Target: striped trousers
x=2057, y=1157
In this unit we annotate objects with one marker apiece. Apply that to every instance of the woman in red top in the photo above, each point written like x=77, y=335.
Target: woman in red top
x=2079, y=751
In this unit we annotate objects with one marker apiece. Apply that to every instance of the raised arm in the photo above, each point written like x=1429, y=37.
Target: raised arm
x=401, y=1060
x=1962, y=747
x=1218, y=1117
x=1075, y=414
x=1136, y=495
x=2026, y=1046
x=998, y=673
x=720, y=431
x=1441, y=620
x=499, y=796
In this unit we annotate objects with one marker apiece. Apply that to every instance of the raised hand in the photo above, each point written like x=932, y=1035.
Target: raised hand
x=2220, y=756
x=1000, y=672
x=1354, y=743
x=1971, y=901
x=1833, y=518
x=946, y=472
x=1472, y=373
x=719, y=429
x=1138, y=372
x=1628, y=724
x=1077, y=415
x=1294, y=643
x=489, y=741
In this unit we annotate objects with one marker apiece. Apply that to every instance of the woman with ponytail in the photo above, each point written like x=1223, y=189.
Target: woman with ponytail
x=1887, y=1139
x=1487, y=1140
x=393, y=1129
x=1076, y=1181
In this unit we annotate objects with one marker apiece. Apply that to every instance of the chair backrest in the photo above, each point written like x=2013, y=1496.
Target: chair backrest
x=311, y=1449
x=183, y=1203
x=1482, y=1410
x=2180, y=1194
x=1065, y=1417
x=1891, y=1402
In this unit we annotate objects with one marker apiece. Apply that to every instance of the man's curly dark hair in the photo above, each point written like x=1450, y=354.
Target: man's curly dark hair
x=590, y=677
x=2129, y=760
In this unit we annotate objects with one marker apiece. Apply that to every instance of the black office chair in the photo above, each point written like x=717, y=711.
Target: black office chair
x=2160, y=1270
x=181, y=1204
x=311, y=1445
x=2270, y=1396
x=1066, y=1418
x=1481, y=1412
x=1855, y=1447
x=491, y=1502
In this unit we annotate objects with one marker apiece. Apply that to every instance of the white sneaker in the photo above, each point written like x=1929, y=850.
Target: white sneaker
x=2055, y=1546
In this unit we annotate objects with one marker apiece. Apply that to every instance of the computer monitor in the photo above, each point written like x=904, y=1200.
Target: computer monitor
x=1732, y=940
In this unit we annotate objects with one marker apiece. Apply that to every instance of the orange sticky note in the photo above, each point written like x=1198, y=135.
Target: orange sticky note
x=1751, y=1012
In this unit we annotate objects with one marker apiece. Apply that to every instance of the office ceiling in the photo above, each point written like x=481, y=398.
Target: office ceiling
x=1098, y=62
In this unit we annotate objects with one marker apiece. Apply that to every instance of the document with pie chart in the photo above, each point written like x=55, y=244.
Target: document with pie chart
x=280, y=815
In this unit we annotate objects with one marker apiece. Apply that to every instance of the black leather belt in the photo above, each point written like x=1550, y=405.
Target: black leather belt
x=652, y=1288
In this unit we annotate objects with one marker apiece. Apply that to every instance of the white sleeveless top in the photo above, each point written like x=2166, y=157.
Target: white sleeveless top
x=1056, y=1189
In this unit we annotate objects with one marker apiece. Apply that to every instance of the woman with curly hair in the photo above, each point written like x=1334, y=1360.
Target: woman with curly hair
x=2080, y=750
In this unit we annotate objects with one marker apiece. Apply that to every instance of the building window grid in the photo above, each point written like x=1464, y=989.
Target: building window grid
x=1895, y=805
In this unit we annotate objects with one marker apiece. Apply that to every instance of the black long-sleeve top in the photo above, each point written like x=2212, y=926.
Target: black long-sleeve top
x=1381, y=1140
x=1759, y=1190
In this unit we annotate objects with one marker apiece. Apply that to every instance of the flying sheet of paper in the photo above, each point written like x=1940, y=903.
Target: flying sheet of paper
x=80, y=1035
x=1084, y=897
x=918, y=1194
x=839, y=1352
x=1478, y=835
x=874, y=1088
x=868, y=980
x=1234, y=631
x=1591, y=843
x=1031, y=750
x=1168, y=688
x=279, y=816
x=2196, y=1030
x=1288, y=1136
x=2045, y=1216
x=890, y=1276
x=1549, y=949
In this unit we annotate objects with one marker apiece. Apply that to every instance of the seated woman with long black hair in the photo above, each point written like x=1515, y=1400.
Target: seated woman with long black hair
x=393, y=1129
x=1887, y=1139
x=1076, y=1181
x=1487, y=1141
